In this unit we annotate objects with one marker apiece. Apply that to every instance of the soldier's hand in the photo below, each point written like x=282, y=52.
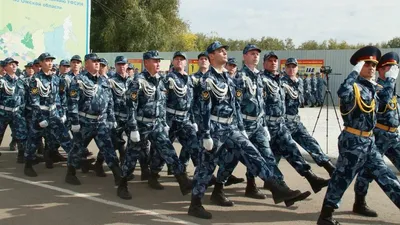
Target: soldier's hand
x=195, y=127
x=63, y=119
x=393, y=72
x=359, y=66
x=75, y=128
x=44, y=124
x=208, y=144
x=267, y=135
x=112, y=125
x=244, y=134
x=166, y=129
x=135, y=136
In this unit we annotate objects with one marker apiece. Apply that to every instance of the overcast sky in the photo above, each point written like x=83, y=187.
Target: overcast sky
x=355, y=21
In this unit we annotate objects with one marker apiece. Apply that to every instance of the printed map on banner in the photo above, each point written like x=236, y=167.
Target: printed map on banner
x=137, y=63
x=307, y=66
x=193, y=66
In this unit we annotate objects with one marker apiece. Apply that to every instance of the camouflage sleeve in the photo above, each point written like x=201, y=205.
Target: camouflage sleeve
x=191, y=89
x=20, y=90
x=132, y=95
x=205, y=107
x=385, y=95
x=35, y=101
x=346, y=91
x=62, y=107
x=110, y=106
x=73, y=102
x=239, y=90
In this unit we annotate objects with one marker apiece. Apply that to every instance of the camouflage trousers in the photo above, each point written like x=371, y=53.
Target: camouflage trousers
x=228, y=141
x=17, y=124
x=159, y=142
x=99, y=131
x=257, y=137
x=319, y=97
x=357, y=153
x=305, y=140
x=387, y=143
x=55, y=130
x=308, y=98
x=282, y=144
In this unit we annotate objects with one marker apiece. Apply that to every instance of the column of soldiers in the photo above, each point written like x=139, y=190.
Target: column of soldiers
x=220, y=115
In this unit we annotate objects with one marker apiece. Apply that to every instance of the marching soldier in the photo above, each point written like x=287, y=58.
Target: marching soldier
x=313, y=82
x=282, y=143
x=91, y=111
x=44, y=94
x=146, y=102
x=103, y=68
x=223, y=131
x=231, y=66
x=12, y=104
x=297, y=129
x=320, y=87
x=357, y=149
x=249, y=93
x=387, y=139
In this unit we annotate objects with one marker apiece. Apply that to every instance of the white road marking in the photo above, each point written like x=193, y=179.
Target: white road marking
x=99, y=200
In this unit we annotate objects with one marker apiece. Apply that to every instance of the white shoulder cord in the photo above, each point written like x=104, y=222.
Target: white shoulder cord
x=146, y=87
x=252, y=87
x=273, y=88
x=43, y=91
x=117, y=89
x=292, y=93
x=88, y=90
x=219, y=93
x=179, y=91
x=9, y=90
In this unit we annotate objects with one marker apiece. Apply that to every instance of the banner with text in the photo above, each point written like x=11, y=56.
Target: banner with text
x=307, y=66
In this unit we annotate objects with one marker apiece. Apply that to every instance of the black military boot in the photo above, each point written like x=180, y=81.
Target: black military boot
x=300, y=197
x=185, y=184
x=317, y=183
x=170, y=171
x=360, y=207
x=13, y=145
x=145, y=172
x=281, y=192
x=28, y=170
x=57, y=157
x=48, y=159
x=86, y=165
x=153, y=181
x=218, y=196
x=252, y=191
x=21, y=151
x=329, y=167
x=117, y=173
x=71, y=178
x=325, y=218
x=196, y=209
x=122, y=190
x=212, y=181
x=98, y=168
x=233, y=180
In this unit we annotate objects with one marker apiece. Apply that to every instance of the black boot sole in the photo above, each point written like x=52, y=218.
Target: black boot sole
x=124, y=194
x=73, y=180
x=199, y=213
x=255, y=195
x=30, y=173
x=224, y=203
x=301, y=197
x=365, y=212
x=285, y=198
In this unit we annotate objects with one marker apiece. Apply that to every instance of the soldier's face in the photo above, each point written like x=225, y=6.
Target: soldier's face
x=11, y=68
x=152, y=65
x=368, y=70
x=75, y=65
x=219, y=56
x=231, y=68
x=36, y=68
x=383, y=70
x=121, y=68
x=179, y=63
x=252, y=57
x=203, y=62
x=92, y=66
x=46, y=64
x=271, y=64
x=64, y=69
x=291, y=70
x=103, y=69
x=29, y=71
